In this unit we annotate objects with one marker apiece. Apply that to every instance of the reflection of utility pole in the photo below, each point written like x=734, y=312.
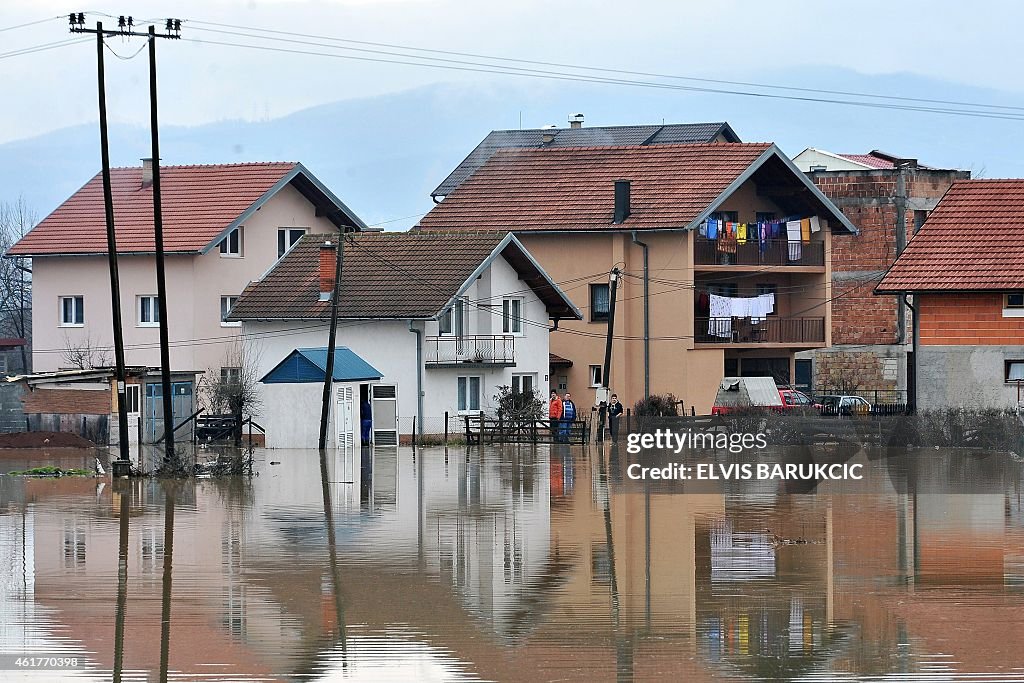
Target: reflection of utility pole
x=165, y=612
x=339, y=608
x=613, y=286
x=122, y=577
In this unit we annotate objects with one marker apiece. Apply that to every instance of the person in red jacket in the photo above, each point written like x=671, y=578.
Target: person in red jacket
x=554, y=411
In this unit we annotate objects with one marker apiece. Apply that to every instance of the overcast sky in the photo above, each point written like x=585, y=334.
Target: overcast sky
x=731, y=39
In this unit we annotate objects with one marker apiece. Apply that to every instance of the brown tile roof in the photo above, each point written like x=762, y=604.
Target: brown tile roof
x=971, y=241
x=385, y=275
x=869, y=160
x=199, y=203
x=572, y=188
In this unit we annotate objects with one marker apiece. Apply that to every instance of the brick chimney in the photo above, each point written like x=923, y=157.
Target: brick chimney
x=147, y=172
x=328, y=261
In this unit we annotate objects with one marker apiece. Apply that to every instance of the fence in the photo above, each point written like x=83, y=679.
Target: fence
x=753, y=253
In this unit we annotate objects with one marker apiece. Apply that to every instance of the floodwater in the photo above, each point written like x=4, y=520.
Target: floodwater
x=513, y=564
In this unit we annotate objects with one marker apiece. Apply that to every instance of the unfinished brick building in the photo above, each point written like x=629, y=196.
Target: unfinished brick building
x=888, y=198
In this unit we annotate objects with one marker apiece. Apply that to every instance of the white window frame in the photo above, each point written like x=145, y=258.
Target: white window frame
x=225, y=244
x=154, y=310
x=466, y=406
x=224, y=312
x=455, y=318
x=133, y=398
x=595, y=375
x=227, y=372
x=512, y=323
x=1012, y=311
x=78, y=306
x=286, y=238
x=517, y=382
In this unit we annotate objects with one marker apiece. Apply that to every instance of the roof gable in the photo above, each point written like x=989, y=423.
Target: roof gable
x=310, y=365
x=200, y=205
x=583, y=137
x=968, y=242
x=672, y=187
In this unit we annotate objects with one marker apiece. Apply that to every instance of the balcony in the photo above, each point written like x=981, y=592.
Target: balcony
x=775, y=253
x=469, y=351
x=769, y=331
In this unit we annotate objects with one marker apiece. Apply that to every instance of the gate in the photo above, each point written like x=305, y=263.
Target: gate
x=385, y=414
x=181, y=408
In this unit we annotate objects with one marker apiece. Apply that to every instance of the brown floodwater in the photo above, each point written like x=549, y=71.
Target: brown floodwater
x=514, y=564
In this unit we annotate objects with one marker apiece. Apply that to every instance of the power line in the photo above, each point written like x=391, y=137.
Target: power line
x=31, y=23
x=478, y=67
x=608, y=69
x=43, y=47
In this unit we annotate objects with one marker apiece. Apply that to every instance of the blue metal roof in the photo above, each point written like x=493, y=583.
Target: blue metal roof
x=309, y=365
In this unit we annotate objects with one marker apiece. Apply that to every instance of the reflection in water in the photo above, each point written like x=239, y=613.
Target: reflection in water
x=517, y=564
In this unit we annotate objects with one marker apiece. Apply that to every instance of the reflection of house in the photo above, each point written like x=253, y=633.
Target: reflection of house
x=223, y=226
x=84, y=402
x=654, y=211
x=966, y=272
x=445, y=319
x=888, y=198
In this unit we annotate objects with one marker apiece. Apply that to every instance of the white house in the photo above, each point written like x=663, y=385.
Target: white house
x=441, y=320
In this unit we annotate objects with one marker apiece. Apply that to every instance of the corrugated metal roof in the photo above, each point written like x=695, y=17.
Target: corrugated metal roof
x=594, y=136
x=309, y=365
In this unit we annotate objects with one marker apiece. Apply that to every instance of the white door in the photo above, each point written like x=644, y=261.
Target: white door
x=385, y=414
x=344, y=421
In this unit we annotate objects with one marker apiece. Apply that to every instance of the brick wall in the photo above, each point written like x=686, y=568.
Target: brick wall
x=67, y=401
x=855, y=371
x=967, y=320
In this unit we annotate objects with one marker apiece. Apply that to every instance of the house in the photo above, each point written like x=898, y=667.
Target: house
x=578, y=136
x=888, y=198
x=648, y=209
x=224, y=225
x=429, y=325
x=965, y=270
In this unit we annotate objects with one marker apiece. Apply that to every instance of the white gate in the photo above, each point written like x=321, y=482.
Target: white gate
x=344, y=420
x=385, y=414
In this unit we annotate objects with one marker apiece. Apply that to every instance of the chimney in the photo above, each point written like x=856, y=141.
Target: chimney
x=147, y=172
x=575, y=120
x=328, y=264
x=548, y=136
x=621, y=201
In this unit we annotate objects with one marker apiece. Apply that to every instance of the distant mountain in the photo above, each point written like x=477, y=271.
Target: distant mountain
x=383, y=155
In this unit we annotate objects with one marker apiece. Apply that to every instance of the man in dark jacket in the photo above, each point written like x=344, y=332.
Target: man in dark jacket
x=614, y=411
x=568, y=416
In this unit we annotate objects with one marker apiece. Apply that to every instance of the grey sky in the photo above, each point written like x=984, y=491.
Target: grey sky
x=202, y=83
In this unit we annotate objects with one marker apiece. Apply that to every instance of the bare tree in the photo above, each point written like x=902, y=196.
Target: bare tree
x=85, y=354
x=16, y=219
x=233, y=388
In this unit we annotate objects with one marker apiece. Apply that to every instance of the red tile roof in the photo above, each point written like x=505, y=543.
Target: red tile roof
x=199, y=202
x=970, y=242
x=869, y=160
x=572, y=188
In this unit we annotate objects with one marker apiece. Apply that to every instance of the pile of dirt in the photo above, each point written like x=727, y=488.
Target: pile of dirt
x=44, y=440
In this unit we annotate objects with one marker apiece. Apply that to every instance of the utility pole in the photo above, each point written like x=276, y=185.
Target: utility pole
x=125, y=27
x=77, y=25
x=613, y=286
x=332, y=338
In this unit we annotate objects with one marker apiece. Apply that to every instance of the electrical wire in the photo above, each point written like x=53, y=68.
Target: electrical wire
x=133, y=55
x=608, y=69
x=44, y=47
x=33, y=23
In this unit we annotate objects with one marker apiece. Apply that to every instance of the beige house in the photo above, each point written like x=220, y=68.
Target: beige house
x=224, y=225
x=660, y=214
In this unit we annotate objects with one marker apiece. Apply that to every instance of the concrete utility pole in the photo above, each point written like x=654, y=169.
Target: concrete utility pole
x=613, y=285
x=125, y=27
x=332, y=339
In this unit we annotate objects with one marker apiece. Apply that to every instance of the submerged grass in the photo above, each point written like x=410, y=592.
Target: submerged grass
x=51, y=471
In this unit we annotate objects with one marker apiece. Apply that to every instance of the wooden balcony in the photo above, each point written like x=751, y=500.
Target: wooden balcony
x=772, y=331
x=807, y=256
x=469, y=351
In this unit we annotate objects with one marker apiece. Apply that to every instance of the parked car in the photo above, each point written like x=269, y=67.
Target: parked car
x=835, y=404
x=797, y=401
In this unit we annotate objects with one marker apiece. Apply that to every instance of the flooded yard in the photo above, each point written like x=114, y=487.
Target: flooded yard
x=513, y=564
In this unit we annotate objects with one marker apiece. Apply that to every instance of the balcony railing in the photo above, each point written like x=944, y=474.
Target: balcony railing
x=477, y=349
x=772, y=253
x=770, y=330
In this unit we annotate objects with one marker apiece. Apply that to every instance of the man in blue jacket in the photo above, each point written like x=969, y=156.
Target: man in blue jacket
x=568, y=416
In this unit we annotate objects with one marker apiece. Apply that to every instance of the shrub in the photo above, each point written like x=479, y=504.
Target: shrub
x=659, y=405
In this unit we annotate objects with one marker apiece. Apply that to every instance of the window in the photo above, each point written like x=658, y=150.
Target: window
x=1015, y=371
x=599, y=302
x=226, y=302
x=522, y=384
x=595, y=376
x=512, y=316
x=727, y=216
x=132, y=393
x=729, y=289
x=1013, y=305
x=149, y=311
x=762, y=216
x=72, y=311
x=231, y=245
x=453, y=321
x=919, y=218
x=286, y=237
x=231, y=376
x=563, y=383
x=469, y=394
x=770, y=288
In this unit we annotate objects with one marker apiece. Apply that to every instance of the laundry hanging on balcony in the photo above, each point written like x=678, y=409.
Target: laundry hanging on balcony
x=793, y=235
x=729, y=234
x=722, y=309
